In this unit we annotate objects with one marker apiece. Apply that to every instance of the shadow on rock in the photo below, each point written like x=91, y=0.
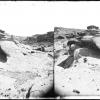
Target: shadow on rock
x=86, y=52
x=3, y=56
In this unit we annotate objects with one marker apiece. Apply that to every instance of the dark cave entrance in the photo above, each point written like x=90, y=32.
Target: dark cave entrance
x=3, y=56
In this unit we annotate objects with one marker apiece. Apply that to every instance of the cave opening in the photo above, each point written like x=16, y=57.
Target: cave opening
x=3, y=56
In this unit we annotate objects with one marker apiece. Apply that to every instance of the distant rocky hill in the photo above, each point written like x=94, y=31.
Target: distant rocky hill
x=29, y=40
x=63, y=33
x=60, y=31
x=40, y=38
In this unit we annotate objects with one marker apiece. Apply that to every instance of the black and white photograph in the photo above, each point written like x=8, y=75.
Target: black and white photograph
x=49, y=49
x=77, y=50
x=26, y=51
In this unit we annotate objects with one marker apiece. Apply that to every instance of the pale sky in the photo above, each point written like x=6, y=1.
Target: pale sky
x=30, y=18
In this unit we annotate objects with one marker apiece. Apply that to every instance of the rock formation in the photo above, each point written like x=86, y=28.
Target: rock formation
x=81, y=78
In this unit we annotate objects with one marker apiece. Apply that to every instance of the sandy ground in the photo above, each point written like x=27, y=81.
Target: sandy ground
x=24, y=76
